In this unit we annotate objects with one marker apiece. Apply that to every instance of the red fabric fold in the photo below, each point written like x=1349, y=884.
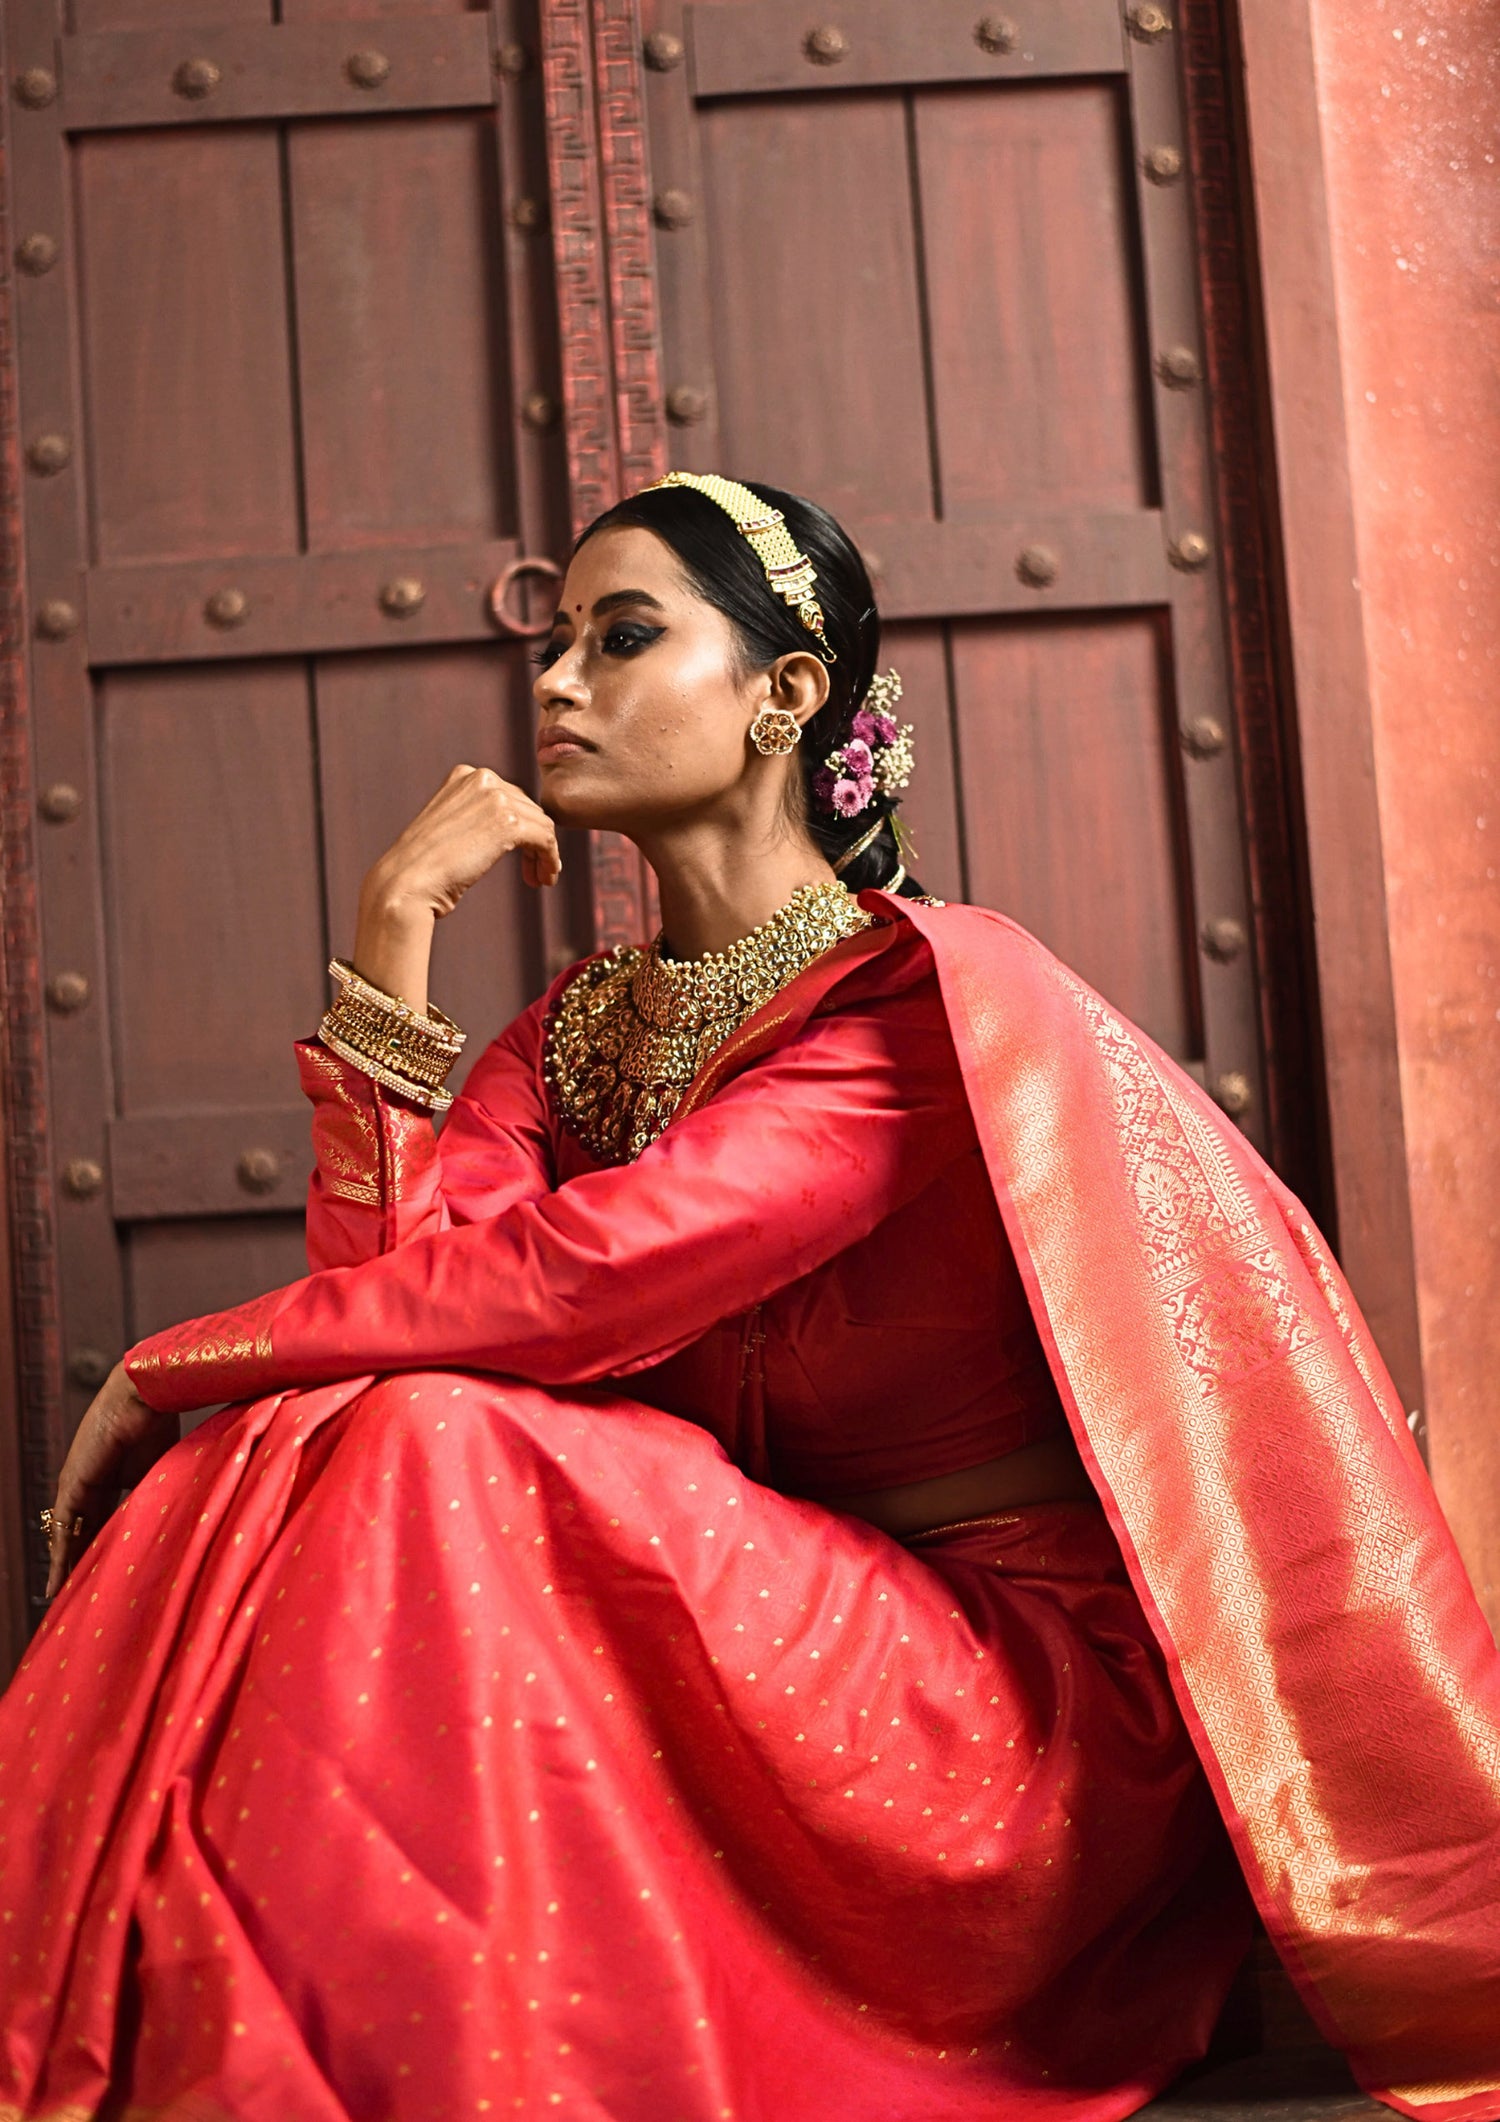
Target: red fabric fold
x=1290, y=1581
x=502, y=1750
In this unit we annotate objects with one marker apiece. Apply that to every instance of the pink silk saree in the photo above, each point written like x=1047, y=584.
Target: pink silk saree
x=619, y=1686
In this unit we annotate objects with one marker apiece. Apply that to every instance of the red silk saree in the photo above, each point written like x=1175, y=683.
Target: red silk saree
x=505, y=1747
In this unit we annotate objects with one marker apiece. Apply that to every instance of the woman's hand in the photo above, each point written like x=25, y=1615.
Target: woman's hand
x=474, y=819
x=117, y=1440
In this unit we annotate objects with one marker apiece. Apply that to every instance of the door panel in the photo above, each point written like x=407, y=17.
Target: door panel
x=210, y=836
x=203, y=1264
x=1037, y=368
x=400, y=331
x=281, y=373
x=938, y=287
x=1071, y=806
x=817, y=335
x=188, y=385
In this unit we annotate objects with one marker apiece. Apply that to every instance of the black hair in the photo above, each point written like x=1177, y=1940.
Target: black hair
x=721, y=564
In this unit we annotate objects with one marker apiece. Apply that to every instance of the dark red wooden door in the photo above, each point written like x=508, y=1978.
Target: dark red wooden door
x=288, y=398
x=937, y=268
x=302, y=374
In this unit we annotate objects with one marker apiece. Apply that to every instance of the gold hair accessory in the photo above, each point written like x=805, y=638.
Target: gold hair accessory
x=790, y=573
x=852, y=854
x=775, y=732
x=389, y=1041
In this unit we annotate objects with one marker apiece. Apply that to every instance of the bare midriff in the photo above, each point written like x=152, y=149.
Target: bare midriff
x=1049, y=1471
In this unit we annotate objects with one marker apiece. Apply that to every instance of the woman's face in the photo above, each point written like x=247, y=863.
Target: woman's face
x=644, y=709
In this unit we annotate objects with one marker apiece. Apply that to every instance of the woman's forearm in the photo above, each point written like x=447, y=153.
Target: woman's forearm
x=393, y=938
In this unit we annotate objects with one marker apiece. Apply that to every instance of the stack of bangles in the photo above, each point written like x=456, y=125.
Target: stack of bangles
x=389, y=1041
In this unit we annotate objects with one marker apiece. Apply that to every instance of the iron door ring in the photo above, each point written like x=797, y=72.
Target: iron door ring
x=500, y=592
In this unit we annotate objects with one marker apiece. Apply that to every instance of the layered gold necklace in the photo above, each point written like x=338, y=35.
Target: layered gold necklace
x=632, y=1031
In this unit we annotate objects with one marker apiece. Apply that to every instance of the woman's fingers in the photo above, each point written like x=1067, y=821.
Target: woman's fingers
x=473, y=821
x=536, y=837
x=116, y=1438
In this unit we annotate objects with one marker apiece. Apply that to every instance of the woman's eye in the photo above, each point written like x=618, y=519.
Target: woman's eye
x=625, y=640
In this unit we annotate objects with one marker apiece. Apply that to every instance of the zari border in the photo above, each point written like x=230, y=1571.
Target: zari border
x=1271, y=1508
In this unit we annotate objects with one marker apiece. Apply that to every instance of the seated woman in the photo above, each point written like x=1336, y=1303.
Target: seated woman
x=814, y=1556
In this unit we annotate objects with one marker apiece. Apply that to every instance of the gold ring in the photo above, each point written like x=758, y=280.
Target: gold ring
x=69, y=1528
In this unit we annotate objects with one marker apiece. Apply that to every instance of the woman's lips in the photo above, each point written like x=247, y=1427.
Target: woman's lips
x=555, y=744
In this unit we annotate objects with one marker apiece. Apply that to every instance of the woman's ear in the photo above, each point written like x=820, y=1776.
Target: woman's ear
x=799, y=683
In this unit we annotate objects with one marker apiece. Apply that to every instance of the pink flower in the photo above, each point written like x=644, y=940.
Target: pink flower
x=848, y=798
x=885, y=728
x=824, y=781
x=864, y=727
x=858, y=759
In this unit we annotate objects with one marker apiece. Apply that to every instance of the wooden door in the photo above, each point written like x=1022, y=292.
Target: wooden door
x=289, y=411
x=939, y=269
x=302, y=377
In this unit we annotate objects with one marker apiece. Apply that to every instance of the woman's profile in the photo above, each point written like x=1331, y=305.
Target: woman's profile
x=820, y=1550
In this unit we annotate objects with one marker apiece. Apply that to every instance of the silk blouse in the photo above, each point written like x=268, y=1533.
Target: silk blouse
x=809, y=1264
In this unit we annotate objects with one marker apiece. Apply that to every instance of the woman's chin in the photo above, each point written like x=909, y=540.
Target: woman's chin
x=582, y=800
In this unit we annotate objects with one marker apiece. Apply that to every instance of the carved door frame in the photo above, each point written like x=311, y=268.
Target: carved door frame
x=1285, y=527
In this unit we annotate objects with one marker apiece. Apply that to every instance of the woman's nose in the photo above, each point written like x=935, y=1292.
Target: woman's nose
x=561, y=680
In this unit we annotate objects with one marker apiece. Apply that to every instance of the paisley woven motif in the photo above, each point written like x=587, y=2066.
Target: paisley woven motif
x=1228, y=1300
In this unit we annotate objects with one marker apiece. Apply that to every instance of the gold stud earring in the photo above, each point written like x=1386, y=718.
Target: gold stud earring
x=775, y=732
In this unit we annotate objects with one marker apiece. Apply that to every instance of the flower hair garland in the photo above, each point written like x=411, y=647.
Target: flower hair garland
x=879, y=754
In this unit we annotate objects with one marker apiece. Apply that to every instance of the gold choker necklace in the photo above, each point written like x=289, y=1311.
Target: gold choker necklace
x=630, y=1033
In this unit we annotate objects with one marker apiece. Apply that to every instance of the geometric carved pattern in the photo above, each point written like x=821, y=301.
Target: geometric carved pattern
x=607, y=313
x=630, y=245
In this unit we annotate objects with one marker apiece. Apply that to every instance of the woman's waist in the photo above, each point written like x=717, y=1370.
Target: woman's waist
x=1047, y=1471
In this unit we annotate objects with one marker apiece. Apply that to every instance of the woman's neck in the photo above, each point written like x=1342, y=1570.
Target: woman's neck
x=714, y=889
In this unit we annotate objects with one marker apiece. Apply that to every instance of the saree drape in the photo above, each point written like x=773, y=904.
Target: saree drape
x=1329, y=1655
x=1328, y=1658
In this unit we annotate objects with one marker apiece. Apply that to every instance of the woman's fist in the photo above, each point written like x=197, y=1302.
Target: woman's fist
x=474, y=819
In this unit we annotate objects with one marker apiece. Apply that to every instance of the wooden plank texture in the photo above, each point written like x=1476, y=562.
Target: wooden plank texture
x=231, y=1163
x=294, y=606
x=191, y=442
x=216, y=930
x=125, y=78
x=401, y=357
x=765, y=49
x=1102, y=559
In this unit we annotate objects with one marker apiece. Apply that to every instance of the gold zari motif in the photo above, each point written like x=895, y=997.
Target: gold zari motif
x=631, y=1032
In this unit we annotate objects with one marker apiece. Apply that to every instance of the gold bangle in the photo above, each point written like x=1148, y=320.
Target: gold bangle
x=389, y=1041
x=393, y=1042
x=433, y=1096
x=438, y=1027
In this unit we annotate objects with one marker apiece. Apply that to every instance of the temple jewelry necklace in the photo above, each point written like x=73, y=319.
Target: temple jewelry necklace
x=630, y=1033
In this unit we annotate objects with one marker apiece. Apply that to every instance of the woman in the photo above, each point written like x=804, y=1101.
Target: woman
x=646, y=1642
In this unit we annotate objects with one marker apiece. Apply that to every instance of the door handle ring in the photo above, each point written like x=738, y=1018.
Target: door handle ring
x=500, y=589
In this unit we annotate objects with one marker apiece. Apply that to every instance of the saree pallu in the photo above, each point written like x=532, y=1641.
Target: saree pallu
x=503, y=1751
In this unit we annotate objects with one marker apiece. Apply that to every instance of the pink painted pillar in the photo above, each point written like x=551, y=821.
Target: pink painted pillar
x=1408, y=94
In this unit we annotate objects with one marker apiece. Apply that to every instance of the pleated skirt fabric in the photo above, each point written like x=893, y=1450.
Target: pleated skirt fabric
x=442, y=1746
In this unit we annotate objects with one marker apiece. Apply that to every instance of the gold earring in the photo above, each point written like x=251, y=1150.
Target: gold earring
x=775, y=732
